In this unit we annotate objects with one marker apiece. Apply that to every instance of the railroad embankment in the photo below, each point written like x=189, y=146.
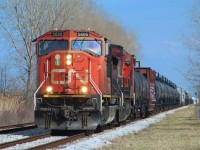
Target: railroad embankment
x=179, y=131
x=15, y=111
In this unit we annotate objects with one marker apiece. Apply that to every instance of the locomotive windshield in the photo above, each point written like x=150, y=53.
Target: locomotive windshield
x=87, y=46
x=46, y=46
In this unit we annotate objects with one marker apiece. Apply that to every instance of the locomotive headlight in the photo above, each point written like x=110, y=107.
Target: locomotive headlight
x=49, y=89
x=68, y=62
x=84, y=89
x=68, y=59
x=68, y=56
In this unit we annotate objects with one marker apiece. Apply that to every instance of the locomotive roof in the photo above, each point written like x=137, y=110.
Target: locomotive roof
x=69, y=31
x=145, y=68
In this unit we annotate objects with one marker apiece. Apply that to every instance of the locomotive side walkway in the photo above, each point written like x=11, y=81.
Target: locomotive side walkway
x=179, y=131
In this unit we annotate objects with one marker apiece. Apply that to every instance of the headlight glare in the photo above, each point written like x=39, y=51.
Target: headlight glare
x=49, y=89
x=84, y=89
x=68, y=56
x=68, y=62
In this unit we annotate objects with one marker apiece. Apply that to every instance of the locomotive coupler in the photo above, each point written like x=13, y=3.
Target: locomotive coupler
x=67, y=112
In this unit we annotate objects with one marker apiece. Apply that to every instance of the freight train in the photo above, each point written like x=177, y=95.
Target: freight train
x=184, y=97
x=85, y=82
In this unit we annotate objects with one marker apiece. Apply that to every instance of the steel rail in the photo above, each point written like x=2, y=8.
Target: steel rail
x=17, y=127
x=21, y=141
x=57, y=143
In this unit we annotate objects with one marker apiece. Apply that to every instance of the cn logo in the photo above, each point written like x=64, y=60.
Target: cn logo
x=152, y=92
x=71, y=72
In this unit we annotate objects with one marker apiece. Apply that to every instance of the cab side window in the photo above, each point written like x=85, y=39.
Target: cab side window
x=127, y=61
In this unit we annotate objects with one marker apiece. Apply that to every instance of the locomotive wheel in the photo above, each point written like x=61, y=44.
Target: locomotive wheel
x=54, y=132
x=111, y=126
x=133, y=114
x=143, y=111
x=89, y=132
x=99, y=129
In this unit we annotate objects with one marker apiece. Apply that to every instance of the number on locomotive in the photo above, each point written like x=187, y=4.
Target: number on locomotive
x=83, y=34
x=57, y=34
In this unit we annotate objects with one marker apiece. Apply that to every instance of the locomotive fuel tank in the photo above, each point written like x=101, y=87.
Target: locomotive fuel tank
x=141, y=86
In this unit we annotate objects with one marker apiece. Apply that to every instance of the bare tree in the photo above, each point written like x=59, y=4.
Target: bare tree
x=95, y=18
x=3, y=79
x=193, y=43
x=8, y=81
x=23, y=20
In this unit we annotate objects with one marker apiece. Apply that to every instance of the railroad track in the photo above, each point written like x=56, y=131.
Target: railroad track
x=69, y=139
x=72, y=138
x=17, y=127
x=21, y=141
x=53, y=144
x=57, y=143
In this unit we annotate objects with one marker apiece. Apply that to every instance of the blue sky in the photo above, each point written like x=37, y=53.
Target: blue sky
x=160, y=26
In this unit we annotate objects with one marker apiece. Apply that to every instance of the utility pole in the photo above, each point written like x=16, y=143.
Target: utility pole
x=5, y=81
x=1, y=80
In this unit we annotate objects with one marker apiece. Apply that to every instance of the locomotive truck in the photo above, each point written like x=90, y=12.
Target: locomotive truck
x=85, y=82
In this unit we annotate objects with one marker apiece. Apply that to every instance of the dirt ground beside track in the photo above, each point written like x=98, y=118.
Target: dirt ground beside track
x=179, y=131
x=14, y=111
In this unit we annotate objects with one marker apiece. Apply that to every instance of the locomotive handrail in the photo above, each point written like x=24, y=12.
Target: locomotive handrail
x=122, y=94
x=122, y=100
x=40, y=85
x=96, y=88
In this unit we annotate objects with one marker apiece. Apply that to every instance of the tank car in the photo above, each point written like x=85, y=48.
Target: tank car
x=167, y=95
x=83, y=81
x=144, y=90
x=155, y=91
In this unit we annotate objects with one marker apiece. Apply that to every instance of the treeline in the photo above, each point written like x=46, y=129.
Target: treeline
x=21, y=21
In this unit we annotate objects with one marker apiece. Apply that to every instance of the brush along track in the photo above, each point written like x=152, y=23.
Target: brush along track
x=21, y=141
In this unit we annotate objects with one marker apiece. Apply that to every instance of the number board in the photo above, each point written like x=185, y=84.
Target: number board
x=57, y=34
x=82, y=34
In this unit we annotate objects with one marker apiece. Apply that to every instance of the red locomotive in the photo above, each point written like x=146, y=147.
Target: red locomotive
x=84, y=82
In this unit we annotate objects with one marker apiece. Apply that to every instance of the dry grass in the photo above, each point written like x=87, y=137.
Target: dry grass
x=13, y=110
x=179, y=131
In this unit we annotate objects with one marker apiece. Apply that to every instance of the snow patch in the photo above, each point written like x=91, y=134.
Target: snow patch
x=101, y=139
